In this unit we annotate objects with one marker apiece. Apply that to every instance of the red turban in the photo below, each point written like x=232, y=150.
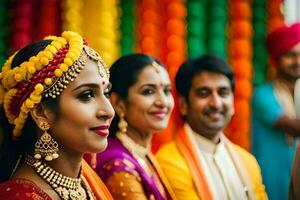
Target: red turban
x=283, y=39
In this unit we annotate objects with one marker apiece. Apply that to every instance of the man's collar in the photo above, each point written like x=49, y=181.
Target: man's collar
x=204, y=143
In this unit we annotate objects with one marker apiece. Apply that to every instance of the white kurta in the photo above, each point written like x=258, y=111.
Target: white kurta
x=219, y=168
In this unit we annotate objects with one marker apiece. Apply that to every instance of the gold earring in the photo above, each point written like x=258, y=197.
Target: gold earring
x=122, y=123
x=46, y=146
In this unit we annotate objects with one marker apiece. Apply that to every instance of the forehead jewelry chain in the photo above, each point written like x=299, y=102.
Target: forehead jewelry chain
x=66, y=187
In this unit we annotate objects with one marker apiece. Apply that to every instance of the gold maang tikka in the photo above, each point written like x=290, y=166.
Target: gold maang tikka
x=156, y=66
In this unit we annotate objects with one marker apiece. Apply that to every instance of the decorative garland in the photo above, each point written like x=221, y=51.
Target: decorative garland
x=22, y=24
x=3, y=31
x=216, y=23
x=127, y=27
x=104, y=37
x=49, y=21
x=275, y=16
x=71, y=15
x=176, y=35
x=148, y=24
x=241, y=57
x=259, y=52
x=196, y=24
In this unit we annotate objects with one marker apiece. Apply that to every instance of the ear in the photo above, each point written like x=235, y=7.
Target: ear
x=183, y=106
x=118, y=103
x=40, y=115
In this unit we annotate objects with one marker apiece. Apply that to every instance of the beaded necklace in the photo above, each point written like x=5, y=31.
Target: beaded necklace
x=66, y=187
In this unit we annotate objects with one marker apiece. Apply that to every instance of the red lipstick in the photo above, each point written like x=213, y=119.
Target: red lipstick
x=159, y=114
x=102, y=130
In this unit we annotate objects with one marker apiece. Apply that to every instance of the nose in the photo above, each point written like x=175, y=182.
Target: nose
x=215, y=100
x=161, y=100
x=105, y=110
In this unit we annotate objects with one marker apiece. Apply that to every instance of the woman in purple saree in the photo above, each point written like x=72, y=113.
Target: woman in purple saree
x=141, y=96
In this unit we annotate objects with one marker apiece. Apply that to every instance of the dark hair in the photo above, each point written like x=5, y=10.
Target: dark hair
x=11, y=150
x=124, y=73
x=191, y=67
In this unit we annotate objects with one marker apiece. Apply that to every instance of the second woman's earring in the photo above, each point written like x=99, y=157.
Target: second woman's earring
x=46, y=146
x=122, y=123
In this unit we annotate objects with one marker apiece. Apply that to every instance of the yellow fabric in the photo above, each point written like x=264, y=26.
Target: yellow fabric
x=254, y=172
x=178, y=173
x=161, y=175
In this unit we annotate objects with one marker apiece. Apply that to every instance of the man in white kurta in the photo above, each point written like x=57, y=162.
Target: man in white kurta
x=201, y=163
x=219, y=168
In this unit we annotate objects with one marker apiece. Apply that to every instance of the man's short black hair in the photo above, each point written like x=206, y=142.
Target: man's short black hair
x=193, y=66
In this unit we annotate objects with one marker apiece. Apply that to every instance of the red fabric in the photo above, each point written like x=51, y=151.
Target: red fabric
x=21, y=189
x=283, y=39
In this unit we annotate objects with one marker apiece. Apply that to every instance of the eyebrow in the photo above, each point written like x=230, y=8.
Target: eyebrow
x=202, y=88
x=208, y=88
x=154, y=85
x=90, y=85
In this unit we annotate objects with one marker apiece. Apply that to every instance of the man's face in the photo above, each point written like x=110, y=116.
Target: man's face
x=289, y=64
x=210, y=105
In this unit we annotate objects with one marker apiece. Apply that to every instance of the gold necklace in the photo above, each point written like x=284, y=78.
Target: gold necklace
x=139, y=152
x=65, y=187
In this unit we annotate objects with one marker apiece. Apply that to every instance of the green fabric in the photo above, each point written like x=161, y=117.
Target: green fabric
x=217, y=12
x=217, y=19
x=4, y=24
x=196, y=46
x=196, y=9
x=127, y=27
x=260, y=57
x=259, y=13
x=196, y=27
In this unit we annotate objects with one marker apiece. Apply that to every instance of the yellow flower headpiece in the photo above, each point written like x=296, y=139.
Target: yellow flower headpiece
x=43, y=75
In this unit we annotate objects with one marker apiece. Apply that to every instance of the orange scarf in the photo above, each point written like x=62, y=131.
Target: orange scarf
x=96, y=184
x=183, y=143
x=188, y=148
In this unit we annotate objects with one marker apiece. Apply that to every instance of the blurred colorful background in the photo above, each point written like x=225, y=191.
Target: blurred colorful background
x=170, y=30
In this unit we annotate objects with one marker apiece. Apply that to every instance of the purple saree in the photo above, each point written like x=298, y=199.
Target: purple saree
x=117, y=158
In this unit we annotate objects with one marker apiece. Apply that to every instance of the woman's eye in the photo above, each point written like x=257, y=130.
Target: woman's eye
x=106, y=93
x=168, y=91
x=107, y=90
x=86, y=96
x=148, y=91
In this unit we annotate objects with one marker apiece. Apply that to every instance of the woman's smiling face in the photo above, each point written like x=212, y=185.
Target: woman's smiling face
x=150, y=102
x=85, y=112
